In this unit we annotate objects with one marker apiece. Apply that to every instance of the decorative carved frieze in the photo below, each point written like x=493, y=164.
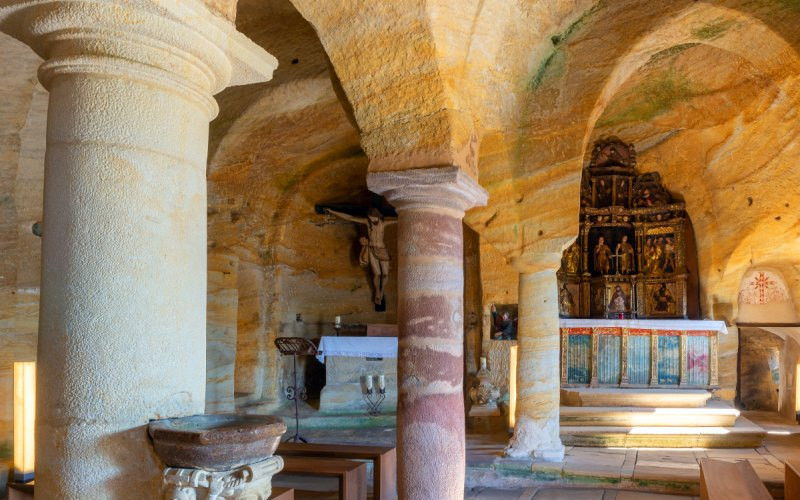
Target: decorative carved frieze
x=249, y=482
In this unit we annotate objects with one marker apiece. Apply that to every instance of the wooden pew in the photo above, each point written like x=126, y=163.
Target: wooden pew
x=282, y=493
x=721, y=480
x=384, y=459
x=791, y=485
x=352, y=475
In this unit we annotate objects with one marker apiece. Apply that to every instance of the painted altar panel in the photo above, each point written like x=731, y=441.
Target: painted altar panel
x=608, y=359
x=697, y=356
x=639, y=353
x=669, y=359
x=639, y=359
x=579, y=357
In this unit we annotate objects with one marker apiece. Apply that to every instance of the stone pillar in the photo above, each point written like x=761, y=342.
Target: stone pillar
x=123, y=299
x=538, y=378
x=430, y=413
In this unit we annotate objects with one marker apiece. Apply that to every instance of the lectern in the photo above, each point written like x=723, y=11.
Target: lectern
x=296, y=346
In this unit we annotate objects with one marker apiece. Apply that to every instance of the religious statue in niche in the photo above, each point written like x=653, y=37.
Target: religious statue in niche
x=669, y=255
x=571, y=261
x=373, y=250
x=566, y=303
x=648, y=191
x=632, y=240
x=624, y=256
x=619, y=301
x=652, y=256
x=602, y=257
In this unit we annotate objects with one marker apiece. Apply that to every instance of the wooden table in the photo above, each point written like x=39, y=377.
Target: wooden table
x=352, y=475
x=791, y=485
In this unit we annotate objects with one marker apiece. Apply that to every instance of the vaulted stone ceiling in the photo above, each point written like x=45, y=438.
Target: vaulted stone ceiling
x=534, y=79
x=541, y=161
x=523, y=84
x=721, y=140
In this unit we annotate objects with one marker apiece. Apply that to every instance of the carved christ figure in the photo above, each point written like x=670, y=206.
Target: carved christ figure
x=602, y=256
x=377, y=256
x=624, y=252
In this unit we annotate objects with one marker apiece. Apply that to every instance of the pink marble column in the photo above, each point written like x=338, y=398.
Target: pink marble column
x=430, y=410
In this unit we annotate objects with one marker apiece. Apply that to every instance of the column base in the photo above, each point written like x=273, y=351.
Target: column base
x=536, y=439
x=248, y=481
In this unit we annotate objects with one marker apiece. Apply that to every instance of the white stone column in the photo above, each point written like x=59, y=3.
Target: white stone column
x=538, y=377
x=123, y=299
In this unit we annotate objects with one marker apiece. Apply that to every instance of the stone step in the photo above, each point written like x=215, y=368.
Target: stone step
x=716, y=414
x=644, y=398
x=745, y=434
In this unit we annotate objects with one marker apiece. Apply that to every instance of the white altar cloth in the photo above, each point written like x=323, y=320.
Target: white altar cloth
x=651, y=324
x=364, y=347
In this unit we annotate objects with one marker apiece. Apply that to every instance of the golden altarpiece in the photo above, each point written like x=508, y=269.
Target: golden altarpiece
x=628, y=269
x=629, y=260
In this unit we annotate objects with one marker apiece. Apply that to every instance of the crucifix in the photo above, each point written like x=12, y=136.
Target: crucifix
x=374, y=253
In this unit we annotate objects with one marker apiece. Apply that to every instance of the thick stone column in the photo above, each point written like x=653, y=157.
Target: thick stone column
x=430, y=412
x=123, y=298
x=538, y=378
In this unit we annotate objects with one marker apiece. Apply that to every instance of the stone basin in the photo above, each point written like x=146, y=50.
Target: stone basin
x=216, y=442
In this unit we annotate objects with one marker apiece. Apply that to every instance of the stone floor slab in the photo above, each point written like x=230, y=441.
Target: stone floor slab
x=639, y=495
x=598, y=463
x=568, y=494
x=733, y=453
x=626, y=471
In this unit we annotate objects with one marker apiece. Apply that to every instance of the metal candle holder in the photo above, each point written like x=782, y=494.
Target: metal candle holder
x=372, y=398
x=374, y=401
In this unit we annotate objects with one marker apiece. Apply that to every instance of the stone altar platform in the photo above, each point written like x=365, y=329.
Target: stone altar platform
x=653, y=418
x=348, y=363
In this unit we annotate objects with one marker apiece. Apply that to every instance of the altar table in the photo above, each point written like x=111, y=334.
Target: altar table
x=348, y=361
x=370, y=347
x=640, y=353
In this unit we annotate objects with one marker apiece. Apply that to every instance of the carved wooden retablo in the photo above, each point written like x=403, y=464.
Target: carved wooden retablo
x=629, y=260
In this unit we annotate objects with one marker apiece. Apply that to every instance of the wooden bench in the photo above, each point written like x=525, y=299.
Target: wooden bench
x=384, y=459
x=791, y=485
x=721, y=480
x=352, y=475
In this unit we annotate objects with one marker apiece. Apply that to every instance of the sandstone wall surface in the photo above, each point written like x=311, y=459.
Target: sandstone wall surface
x=22, y=125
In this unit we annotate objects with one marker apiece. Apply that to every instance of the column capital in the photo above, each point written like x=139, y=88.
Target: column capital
x=436, y=187
x=534, y=263
x=178, y=45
